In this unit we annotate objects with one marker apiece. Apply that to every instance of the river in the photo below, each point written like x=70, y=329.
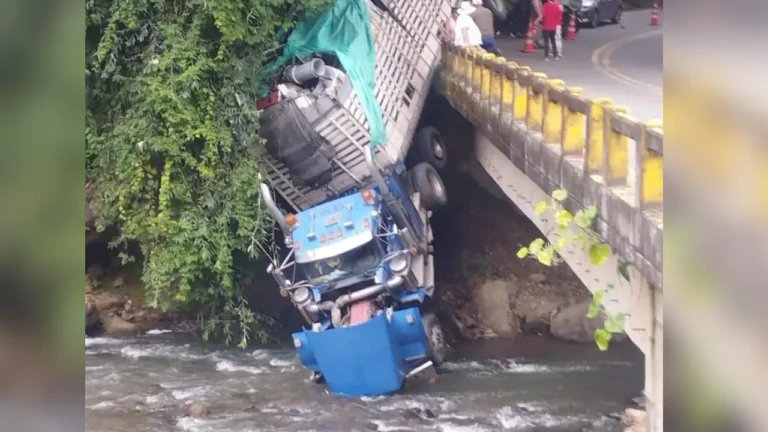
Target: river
x=529, y=384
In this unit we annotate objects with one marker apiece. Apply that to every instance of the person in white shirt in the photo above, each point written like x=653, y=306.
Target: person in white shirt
x=466, y=31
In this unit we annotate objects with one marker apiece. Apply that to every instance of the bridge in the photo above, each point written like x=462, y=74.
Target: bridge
x=536, y=134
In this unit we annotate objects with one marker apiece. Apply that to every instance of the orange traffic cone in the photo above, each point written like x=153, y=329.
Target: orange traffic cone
x=654, y=15
x=571, y=35
x=529, y=48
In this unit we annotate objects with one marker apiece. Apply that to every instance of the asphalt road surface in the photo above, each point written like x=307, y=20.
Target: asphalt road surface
x=622, y=62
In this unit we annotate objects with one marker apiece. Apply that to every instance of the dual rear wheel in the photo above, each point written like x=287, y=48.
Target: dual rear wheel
x=430, y=151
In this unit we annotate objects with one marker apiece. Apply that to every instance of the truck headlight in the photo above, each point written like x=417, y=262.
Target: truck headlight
x=301, y=296
x=399, y=264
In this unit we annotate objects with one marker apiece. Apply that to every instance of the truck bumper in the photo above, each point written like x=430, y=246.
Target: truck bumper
x=368, y=359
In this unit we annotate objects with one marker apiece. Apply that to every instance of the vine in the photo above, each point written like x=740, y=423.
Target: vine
x=170, y=125
x=599, y=252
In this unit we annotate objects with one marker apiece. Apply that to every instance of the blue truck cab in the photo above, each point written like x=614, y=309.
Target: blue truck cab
x=361, y=269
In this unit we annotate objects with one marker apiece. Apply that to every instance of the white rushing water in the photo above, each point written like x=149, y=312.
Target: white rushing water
x=148, y=383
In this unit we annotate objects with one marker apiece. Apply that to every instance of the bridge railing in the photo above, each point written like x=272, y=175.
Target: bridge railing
x=570, y=141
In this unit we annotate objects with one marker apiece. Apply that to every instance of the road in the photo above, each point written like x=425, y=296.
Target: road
x=622, y=62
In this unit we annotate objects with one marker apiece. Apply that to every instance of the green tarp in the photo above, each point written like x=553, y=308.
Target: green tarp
x=345, y=31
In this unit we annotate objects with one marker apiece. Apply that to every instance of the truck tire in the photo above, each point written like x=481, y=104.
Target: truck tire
x=427, y=182
x=436, y=347
x=430, y=147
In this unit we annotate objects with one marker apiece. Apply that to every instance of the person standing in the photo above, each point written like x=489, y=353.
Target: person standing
x=483, y=17
x=450, y=26
x=551, y=17
x=466, y=31
x=559, y=31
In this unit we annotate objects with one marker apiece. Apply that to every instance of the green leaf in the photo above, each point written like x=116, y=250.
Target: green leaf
x=598, y=253
x=590, y=212
x=561, y=242
x=522, y=253
x=603, y=338
x=560, y=195
x=594, y=305
x=546, y=256
x=582, y=220
x=563, y=217
x=536, y=246
x=541, y=208
x=624, y=270
x=615, y=323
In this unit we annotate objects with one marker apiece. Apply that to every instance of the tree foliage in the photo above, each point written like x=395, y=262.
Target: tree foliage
x=170, y=123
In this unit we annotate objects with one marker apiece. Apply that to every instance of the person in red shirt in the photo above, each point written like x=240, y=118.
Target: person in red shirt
x=551, y=17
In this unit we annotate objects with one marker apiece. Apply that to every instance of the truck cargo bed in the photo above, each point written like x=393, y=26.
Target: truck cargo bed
x=405, y=64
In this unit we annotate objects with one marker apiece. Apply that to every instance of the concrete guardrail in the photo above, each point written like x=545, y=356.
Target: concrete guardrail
x=561, y=139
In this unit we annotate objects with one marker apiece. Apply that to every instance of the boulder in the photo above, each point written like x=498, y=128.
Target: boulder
x=198, y=410
x=91, y=312
x=571, y=324
x=493, y=307
x=106, y=300
x=116, y=326
x=634, y=420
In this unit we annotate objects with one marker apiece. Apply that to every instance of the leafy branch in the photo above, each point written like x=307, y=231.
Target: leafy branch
x=586, y=238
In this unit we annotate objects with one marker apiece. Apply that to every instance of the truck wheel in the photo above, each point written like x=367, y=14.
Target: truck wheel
x=436, y=347
x=427, y=182
x=430, y=147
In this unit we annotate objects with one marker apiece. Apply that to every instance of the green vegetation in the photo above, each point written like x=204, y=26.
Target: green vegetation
x=170, y=121
x=599, y=252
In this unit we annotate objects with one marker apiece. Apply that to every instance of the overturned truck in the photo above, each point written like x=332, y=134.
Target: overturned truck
x=361, y=180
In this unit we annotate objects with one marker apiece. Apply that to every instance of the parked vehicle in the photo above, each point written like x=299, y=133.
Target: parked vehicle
x=594, y=12
x=359, y=266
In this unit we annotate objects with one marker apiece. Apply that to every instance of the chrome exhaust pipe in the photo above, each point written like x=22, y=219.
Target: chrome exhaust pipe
x=277, y=215
x=299, y=74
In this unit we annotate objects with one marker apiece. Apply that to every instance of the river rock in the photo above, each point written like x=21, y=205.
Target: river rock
x=372, y=426
x=493, y=307
x=571, y=323
x=91, y=312
x=198, y=410
x=95, y=270
x=106, y=300
x=429, y=414
x=116, y=326
x=634, y=420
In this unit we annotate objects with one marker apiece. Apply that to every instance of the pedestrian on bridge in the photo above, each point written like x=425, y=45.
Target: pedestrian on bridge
x=551, y=17
x=484, y=19
x=466, y=31
x=450, y=26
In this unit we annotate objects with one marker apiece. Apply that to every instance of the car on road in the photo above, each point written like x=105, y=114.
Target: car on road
x=594, y=12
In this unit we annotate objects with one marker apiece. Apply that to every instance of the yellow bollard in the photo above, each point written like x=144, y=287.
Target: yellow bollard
x=651, y=171
x=485, y=76
x=553, y=114
x=535, y=115
x=595, y=144
x=617, y=151
x=573, y=128
x=520, y=94
x=508, y=87
x=477, y=74
x=497, y=77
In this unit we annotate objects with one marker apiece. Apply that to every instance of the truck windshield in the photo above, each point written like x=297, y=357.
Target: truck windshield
x=347, y=264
